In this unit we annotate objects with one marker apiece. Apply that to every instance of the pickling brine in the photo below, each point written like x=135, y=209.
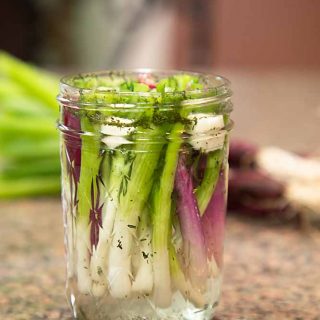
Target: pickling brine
x=144, y=178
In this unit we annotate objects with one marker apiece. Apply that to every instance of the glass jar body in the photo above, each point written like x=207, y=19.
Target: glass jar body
x=144, y=215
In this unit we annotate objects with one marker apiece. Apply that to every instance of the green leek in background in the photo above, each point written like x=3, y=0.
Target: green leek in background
x=29, y=142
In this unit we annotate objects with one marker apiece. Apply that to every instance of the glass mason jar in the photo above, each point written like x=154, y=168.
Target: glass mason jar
x=144, y=184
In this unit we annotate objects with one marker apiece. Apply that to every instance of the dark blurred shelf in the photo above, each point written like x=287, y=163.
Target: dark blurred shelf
x=272, y=272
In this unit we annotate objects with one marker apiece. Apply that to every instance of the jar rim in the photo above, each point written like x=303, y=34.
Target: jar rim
x=215, y=87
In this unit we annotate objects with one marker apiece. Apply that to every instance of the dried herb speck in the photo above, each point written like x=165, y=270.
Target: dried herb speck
x=145, y=255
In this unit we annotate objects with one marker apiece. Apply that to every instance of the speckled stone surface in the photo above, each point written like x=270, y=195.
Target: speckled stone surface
x=272, y=271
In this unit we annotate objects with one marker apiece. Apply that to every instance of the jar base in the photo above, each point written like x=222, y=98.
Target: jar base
x=86, y=307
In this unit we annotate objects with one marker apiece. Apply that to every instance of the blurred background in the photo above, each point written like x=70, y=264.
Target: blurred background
x=270, y=50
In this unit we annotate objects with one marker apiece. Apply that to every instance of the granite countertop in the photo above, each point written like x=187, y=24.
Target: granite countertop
x=272, y=271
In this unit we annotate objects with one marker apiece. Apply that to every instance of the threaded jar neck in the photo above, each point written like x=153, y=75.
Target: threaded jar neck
x=144, y=106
